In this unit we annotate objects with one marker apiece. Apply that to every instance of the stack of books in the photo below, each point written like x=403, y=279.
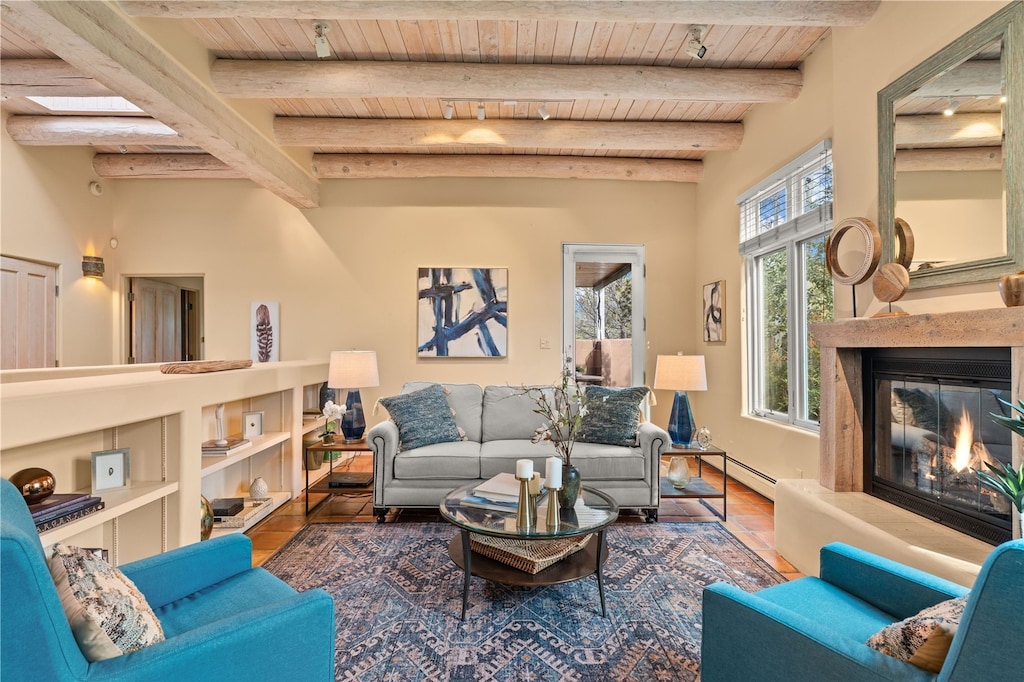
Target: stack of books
x=61, y=508
x=211, y=449
x=500, y=493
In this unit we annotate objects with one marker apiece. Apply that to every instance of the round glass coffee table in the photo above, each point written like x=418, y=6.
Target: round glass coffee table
x=593, y=513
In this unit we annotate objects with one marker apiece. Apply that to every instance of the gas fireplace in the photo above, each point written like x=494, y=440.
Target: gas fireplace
x=927, y=424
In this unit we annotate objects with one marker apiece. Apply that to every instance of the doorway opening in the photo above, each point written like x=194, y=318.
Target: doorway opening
x=165, y=319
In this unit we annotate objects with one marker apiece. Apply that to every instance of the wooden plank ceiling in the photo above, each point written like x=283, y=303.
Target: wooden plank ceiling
x=400, y=91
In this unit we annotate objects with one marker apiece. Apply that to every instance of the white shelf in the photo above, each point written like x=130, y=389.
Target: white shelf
x=256, y=445
x=313, y=425
x=277, y=499
x=116, y=503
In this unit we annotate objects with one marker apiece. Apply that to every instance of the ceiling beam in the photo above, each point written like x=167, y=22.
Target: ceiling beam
x=101, y=42
x=955, y=159
x=497, y=134
x=723, y=12
x=960, y=130
x=47, y=78
x=362, y=166
x=162, y=166
x=70, y=131
x=534, y=82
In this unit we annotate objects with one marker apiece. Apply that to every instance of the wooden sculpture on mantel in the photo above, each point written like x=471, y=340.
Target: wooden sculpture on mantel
x=890, y=283
x=872, y=245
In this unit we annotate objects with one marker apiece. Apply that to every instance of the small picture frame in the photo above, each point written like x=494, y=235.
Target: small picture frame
x=252, y=424
x=111, y=470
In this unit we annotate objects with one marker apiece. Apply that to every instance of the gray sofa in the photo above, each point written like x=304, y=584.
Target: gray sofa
x=498, y=422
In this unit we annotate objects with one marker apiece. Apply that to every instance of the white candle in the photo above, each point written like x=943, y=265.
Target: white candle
x=554, y=473
x=524, y=468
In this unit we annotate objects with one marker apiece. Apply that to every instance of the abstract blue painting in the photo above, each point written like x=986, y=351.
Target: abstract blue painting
x=463, y=312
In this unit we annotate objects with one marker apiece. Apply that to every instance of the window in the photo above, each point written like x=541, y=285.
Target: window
x=784, y=225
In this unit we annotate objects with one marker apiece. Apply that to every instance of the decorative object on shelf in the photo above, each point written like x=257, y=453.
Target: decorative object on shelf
x=680, y=373
x=714, y=311
x=252, y=424
x=353, y=369
x=205, y=518
x=258, y=489
x=34, y=484
x=526, y=513
x=678, y=472
x=890, y=283
x=704, y=438
x=462, y=312
x=333, y=413
x=1011, y=288
x=327, y=394
x=264, y=341
x=222, y=438
x=563, y=409
x=203, y=366
x=110, y=469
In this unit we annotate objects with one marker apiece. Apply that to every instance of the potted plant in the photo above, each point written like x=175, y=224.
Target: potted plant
x=1002, y=478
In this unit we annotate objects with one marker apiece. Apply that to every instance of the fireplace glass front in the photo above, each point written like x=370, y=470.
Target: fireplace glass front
x=932, y=427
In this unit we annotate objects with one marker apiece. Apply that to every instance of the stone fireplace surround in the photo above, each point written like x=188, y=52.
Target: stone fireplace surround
x=809, y=515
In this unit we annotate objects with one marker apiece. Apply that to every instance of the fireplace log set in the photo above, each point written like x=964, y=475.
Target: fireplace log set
x=939, y=470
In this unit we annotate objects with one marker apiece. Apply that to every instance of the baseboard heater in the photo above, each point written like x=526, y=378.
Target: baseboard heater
x=735, y=462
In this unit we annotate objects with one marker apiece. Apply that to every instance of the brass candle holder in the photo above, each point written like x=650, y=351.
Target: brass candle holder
x=526, y=512
x=553, y=521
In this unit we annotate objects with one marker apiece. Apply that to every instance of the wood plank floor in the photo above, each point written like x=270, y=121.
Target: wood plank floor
x=750, y=516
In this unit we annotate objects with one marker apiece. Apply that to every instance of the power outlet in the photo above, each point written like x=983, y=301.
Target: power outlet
x=545, y=344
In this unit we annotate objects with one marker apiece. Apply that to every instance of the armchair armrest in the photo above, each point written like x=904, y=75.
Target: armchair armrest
x=778, y=644
x=653, y=440
x=893, y=587
x=169, y=576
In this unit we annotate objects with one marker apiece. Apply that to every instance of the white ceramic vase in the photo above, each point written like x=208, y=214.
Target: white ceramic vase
x=258, y=490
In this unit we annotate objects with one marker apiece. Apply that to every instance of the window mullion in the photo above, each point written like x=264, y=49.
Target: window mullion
x=792, y=319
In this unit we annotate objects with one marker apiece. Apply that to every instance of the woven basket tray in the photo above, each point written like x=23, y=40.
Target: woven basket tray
x=532, y=556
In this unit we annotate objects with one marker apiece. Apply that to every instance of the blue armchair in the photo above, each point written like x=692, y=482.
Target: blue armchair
x=816, y=628
x=223, y=620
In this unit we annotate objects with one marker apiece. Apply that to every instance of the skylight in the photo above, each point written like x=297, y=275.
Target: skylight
x=94, y=105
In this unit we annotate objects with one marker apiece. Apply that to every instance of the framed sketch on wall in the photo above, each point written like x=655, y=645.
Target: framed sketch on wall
x=462, y=312
x=265, y=333
x=714, y=311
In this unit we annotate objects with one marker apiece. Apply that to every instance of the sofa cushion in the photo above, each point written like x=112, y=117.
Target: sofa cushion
x=107, y=613
x=439, y=461
x=508, y=414
x=466, y=401
x=497, y=456
x=613, y=415
x=924, y=638
x=596, y=462
x=423, y=418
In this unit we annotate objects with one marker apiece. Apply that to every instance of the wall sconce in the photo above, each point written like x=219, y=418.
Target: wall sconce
x=92, y=266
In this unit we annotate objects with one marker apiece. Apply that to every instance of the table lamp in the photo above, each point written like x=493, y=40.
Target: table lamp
x=680, y=373
x=353, y=369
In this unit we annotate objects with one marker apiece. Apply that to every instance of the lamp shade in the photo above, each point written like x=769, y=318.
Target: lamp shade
x=680, y=373
x=353, y=369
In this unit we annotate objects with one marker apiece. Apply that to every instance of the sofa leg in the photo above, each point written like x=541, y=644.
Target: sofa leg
x=651, y=514
x=381, y=513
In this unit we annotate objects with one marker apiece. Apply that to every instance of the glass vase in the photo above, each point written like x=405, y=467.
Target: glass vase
x=678, y=472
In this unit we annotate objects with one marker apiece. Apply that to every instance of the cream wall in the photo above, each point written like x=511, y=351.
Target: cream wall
x=841, y=81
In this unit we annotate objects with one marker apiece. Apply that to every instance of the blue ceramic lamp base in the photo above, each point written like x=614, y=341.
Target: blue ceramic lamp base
x=680, y=422
x=353, y=422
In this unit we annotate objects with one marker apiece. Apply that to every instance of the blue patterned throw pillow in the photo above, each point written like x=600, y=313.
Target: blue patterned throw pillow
x=423, y=418
x=613, y=415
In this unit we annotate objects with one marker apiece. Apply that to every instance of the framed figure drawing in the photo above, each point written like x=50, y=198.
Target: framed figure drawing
x=714, y=311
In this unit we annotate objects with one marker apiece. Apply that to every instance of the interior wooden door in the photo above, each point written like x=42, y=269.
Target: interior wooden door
x=28, y=313
x=156, y=321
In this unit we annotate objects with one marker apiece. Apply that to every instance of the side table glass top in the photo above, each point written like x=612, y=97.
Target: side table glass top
x=593, y=511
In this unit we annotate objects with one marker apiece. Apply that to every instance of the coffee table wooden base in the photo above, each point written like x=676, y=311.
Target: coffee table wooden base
x=587, y=561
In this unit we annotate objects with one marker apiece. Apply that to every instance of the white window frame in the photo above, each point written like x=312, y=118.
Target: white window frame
x=790, y=237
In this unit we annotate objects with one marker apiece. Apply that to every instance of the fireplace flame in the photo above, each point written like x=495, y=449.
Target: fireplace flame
x=964, y=442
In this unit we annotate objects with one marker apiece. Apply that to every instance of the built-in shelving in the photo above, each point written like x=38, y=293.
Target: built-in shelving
x=255, y=446
x=115, y=503
x=254, y=516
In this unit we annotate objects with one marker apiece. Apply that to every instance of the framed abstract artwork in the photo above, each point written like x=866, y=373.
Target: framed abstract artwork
x=462, y=312
x=714, y=311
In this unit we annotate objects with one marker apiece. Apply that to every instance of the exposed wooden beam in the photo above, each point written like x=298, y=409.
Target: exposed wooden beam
x=161, y=166
x=960, y=130
x=955, y=159
x=741, y=12
x=47, y=78
x=537, y=82
x=101, y=42
x=66, y=131
x=978, y=78
x=361, y=166
x=597, y=135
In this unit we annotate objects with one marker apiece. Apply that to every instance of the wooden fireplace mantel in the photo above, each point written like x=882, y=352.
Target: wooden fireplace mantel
x=841, y=463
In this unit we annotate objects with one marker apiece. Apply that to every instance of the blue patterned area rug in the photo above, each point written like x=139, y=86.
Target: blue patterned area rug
x=398, y=600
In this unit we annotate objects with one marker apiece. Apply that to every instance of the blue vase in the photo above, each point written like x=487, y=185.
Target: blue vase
x=353, y=423
x=325, y=395
x=570, y=490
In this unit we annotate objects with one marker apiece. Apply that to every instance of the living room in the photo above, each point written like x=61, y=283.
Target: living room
x=344, y=272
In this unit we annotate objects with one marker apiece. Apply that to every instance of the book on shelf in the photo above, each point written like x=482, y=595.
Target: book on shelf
x=226, y=506
x=69, y=517
x=211, y=449
x=55, y=502
x=82, y=501
x=251, y=509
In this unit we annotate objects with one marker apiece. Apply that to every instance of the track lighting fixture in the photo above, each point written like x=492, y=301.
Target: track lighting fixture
x=695, y=44
x=449, y=109
x=323, y=48
x=543, y=112
x=481, y=113
x=951, y=107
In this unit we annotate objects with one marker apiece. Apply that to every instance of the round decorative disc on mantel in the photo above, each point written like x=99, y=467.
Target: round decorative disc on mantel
x=871, y=241
x=891, y=282
x=904, y=243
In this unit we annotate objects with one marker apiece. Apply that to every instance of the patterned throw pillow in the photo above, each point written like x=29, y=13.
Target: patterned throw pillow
x=107, y=613
x=423, y=418
x=924, y=638
x=613, y=415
